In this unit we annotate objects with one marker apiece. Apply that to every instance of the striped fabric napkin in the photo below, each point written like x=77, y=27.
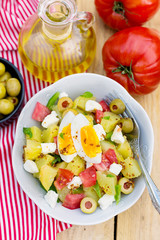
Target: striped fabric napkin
x=20, y=218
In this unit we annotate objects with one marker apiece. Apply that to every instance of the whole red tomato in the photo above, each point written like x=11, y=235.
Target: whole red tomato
x=121, y=14
x=132, y=58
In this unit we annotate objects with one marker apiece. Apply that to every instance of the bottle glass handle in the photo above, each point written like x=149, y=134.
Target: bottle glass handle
x=86, y=19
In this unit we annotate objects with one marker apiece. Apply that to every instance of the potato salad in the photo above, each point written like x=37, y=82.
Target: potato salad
x=80, y=151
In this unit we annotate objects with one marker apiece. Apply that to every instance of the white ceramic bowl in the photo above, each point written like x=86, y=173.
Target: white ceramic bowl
x=75, y=85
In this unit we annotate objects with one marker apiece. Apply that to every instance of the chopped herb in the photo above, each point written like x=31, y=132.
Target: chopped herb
x=87, y=95
x=28, y=131
x=77, y=190
x=97, y=189
x=53, y=188
x=57, y=159
x=94, y=122
x=62, y=135
x=106, y=117
x=53, y=100
x=117, y=196
x=108, y=135
x=110, y=175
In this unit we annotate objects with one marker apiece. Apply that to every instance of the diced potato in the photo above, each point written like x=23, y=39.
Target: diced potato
x=44, y=160
x=131, y=168
x=32, y=150
x=80, y=111
x=106, y=183
x=125, y=149
x=55, y=108
x=36, y=134
x=105, y=145
x=62, y=193
x=80, y=102
x=61, y=165
x=76, y=166
x=90, y=119
x=119, y=156
x=90, y=192
x=109, y=124
x=47, y=175
x=49, y=134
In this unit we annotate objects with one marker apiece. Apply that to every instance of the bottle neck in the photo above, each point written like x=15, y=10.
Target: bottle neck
x=57, y=33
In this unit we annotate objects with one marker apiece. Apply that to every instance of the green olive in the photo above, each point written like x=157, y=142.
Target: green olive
x=13, y=100
x=88, y=205
x=13, y=87
x=64, y=103
x=2, y=91
x=117, y=106
x=127, y=186
x=6, y=107
x=2, y=69
x=126, y=124
x=5, y=77
x=69, y=110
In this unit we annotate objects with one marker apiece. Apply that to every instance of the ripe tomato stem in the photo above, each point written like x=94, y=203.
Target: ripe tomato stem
x=126, y=70
x=118, y=8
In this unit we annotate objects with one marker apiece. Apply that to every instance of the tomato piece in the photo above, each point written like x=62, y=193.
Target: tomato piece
x=104, y=105
x=40, y=112
x=108, y=158
x=104, y=165
x=72, y=201
x=123, y=13
x=111, y=156
x=64, y=177
x=88, y=177
x=131, y=57
x=98, y=116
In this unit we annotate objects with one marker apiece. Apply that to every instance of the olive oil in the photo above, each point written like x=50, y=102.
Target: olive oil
x=57, y=48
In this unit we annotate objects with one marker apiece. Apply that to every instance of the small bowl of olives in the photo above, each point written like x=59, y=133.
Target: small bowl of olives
x=11, y=92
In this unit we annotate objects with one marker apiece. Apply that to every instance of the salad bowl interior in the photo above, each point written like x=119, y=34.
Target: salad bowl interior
x=74, y=86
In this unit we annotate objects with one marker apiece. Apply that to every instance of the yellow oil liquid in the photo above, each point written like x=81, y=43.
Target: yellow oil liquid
x=51, y=60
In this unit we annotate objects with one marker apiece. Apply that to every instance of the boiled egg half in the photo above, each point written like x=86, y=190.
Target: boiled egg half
x=85, y=139
x=66, y=146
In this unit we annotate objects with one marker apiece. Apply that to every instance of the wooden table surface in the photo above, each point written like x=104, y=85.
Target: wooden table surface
x=141, y=221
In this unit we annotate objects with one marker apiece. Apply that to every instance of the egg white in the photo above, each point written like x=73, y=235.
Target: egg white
x=68, y=118
x=81, y=121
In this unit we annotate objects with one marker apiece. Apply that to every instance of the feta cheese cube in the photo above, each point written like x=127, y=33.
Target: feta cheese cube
x=88, y=164
x=63, y=94
x=50, y=119
x=106, y=201
x=92, y=106
x=51, y=198
x=48, y=148
x=115, y=168
x=75, y=183
x=99, y=131
x=30, y=166
x=117, y=135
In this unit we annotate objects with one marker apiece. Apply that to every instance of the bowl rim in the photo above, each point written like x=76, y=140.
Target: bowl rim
x=117, y=211
x=22, y=90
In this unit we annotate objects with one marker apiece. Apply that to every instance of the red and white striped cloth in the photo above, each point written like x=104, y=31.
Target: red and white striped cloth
x=20, y=218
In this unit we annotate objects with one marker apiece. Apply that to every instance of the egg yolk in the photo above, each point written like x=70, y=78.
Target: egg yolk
x=90, y=141
x=66, y=145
